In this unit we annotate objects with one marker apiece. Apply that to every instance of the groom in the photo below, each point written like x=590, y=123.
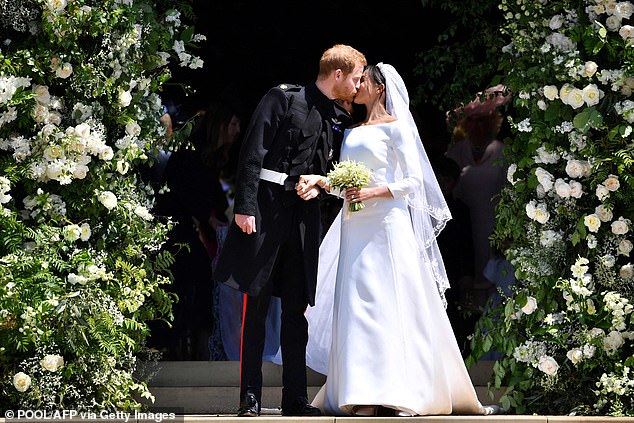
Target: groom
x=272, y=247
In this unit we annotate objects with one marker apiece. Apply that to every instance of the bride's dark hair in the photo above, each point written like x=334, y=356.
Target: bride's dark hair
x=375, y=73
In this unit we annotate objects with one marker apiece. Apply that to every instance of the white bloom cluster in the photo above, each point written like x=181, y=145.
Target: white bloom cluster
x=614, y=11
x=5, y=187
x=9, y=85
x=549, y=238
x=577, y=355
x=44, y=205
x=88, y=273
x=610, y=385
x=619, y=308
x=546, y=157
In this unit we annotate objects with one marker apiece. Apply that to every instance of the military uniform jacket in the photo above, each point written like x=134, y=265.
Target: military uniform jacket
x=293, y=130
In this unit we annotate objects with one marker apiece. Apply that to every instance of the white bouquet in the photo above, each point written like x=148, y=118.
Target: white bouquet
x=350, y=174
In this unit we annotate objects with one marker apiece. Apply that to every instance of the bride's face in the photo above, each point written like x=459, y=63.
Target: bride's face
x=368, y=89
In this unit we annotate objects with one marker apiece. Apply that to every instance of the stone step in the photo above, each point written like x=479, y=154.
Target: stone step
x=227, y=373
x=212, y=387
x=224, y=400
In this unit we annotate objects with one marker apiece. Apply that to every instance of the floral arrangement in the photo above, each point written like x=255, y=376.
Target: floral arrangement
x=565, y=334
x=81, y=265
x=349, y=174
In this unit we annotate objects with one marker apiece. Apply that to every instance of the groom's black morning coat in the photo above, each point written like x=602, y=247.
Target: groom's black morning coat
x=293, y=130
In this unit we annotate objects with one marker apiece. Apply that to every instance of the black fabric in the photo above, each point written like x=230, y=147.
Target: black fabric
x=292, y=131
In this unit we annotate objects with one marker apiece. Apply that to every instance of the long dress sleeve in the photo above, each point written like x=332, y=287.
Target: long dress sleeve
x=408, y=177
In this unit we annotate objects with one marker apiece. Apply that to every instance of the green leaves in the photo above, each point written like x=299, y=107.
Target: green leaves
x=587, y=119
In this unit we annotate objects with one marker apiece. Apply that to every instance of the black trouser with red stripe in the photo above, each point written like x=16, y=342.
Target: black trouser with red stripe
x=288, y=279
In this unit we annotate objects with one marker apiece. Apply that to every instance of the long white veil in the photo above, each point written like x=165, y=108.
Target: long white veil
x=428, y=208
x=429, y=214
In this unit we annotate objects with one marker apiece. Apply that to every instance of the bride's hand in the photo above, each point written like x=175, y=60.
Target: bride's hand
x=354, y=195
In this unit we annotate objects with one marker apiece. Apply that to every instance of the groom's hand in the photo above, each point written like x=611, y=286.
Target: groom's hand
x=245, y=222
x=307, y=187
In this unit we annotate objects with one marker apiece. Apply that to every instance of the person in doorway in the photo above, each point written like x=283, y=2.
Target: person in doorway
x=273, y=243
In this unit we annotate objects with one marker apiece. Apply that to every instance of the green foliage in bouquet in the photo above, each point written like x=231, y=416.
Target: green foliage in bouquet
x=350, y=174
x=565, y=332
x=81, y=266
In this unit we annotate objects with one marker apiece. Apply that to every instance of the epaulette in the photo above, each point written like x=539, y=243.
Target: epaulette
x=290, y=87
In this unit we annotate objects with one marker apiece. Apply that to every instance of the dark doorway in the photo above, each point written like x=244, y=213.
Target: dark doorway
x=254, y=45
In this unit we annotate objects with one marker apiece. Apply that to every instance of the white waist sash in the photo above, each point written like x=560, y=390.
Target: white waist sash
x=273, y=176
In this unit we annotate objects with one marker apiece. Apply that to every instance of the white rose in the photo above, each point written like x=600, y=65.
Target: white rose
x=40, y=113
x=562, y=188
x=556, y=22
x=106, y=153
x=72, y=232
x=541, y=214
x=624, y=9
x=530, y=306
x=54, y=118
x=612, y=342
x=564, y=92
x=626, y=32
x=548, y=365
x=56, y=6
x=42, y=96
x=551, y=92
x=625, y=247
x=82, y=131
x=125, y=98
x=602, y=192
x=574, y=169
x=591, y=94
x=576, y=190
x=612, y=183
x=621, y=226
x=80, y=171
x=85, y=232
x=541, y=104
x=133, y=129
x=64, y=71
x=593, y=222
x=545, y=178
x=604, y=213
x=52, y=362
x=626, y=271
x=613, y=23
x=21, y=381
x=575, y=355
x=108, y=199
x=589, y=69
x=575, y=98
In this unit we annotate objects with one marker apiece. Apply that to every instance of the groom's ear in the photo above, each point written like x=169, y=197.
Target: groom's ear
x=338, y=73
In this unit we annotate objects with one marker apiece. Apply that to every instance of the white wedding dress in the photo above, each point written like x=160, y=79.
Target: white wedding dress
x=379, y=329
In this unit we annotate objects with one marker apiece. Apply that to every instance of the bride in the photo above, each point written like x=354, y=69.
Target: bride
x=379, y=330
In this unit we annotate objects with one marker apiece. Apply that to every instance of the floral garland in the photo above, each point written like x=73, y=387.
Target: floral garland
x=565, y=218
x=81, y=266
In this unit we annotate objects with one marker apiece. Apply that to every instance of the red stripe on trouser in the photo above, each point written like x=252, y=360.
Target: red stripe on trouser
x=244, y=315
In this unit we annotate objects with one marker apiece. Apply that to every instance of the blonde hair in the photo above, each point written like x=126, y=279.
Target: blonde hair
x=340, y=56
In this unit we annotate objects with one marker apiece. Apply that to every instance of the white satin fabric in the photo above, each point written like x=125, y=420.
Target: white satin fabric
x=379, y=329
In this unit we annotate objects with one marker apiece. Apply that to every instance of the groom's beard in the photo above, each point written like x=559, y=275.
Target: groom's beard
x=343, y=93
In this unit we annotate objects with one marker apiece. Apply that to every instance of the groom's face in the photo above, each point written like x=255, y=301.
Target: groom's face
x=347, y=85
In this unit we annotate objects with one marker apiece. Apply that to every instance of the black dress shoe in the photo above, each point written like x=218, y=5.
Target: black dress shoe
x=249, y=406
x=301, y=407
